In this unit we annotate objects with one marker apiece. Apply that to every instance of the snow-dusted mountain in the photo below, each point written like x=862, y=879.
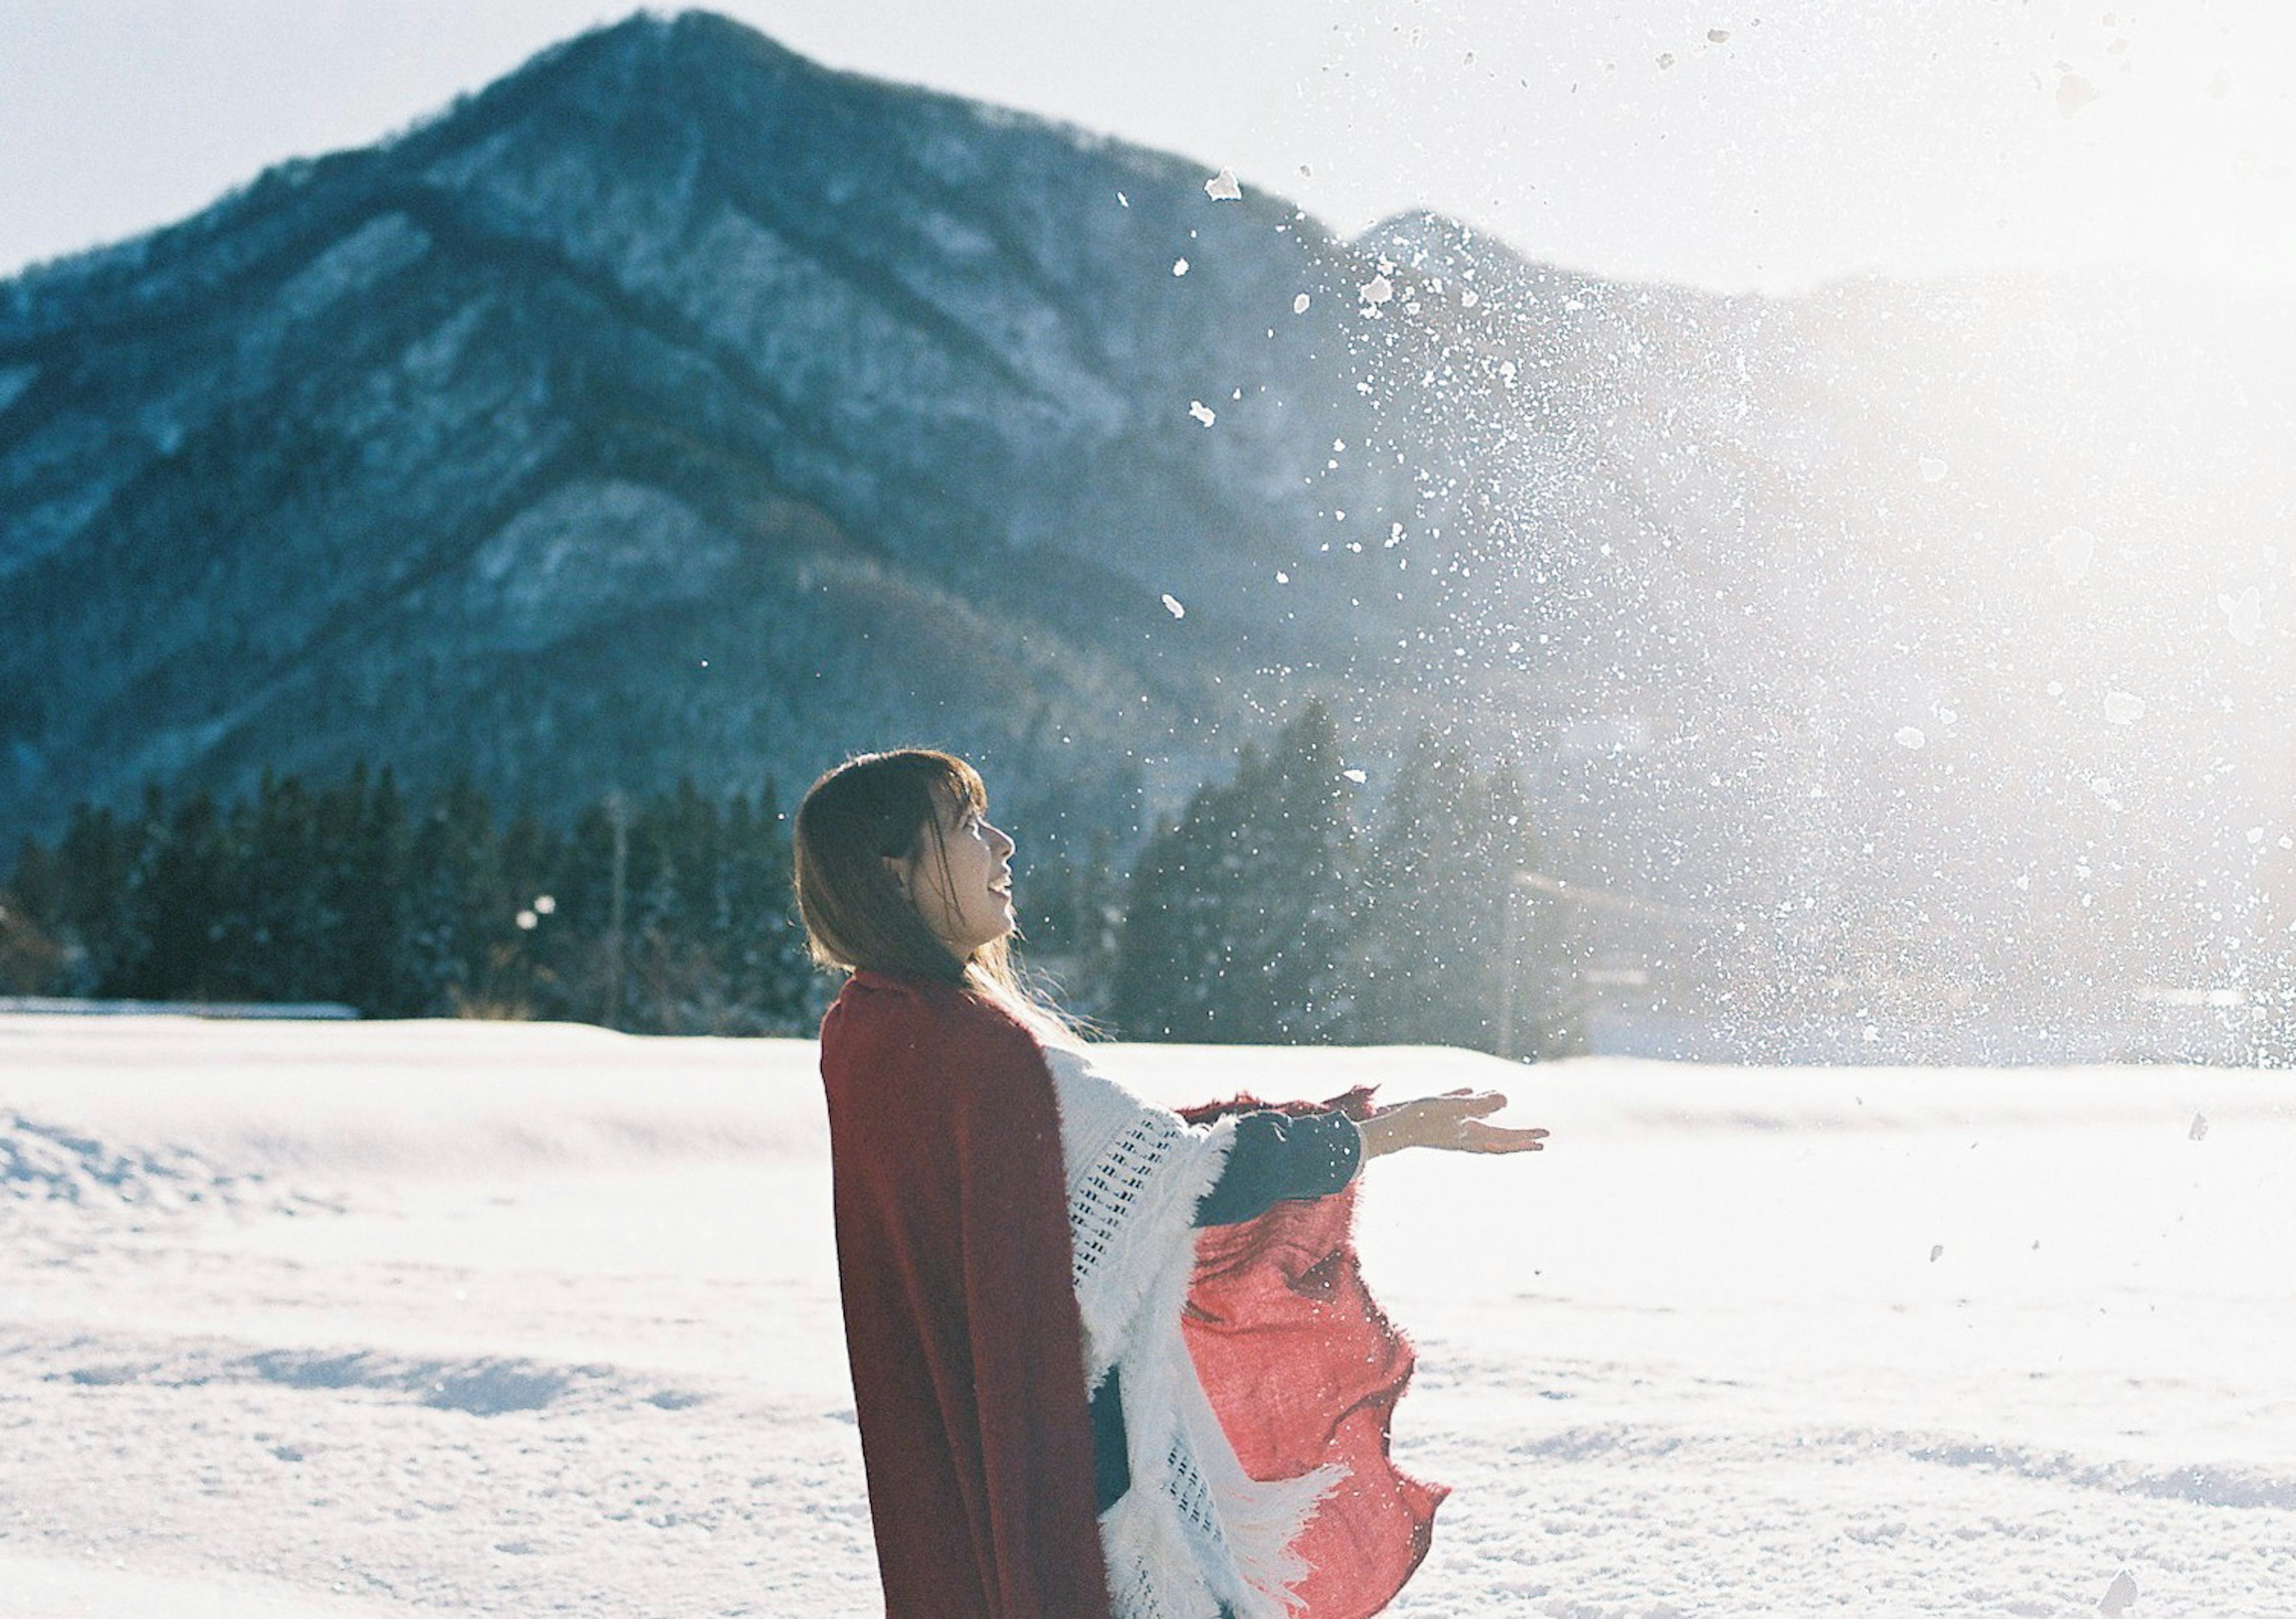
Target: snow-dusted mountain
x=678, y=407
x=673, y=406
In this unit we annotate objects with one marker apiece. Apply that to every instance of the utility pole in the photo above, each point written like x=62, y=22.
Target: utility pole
x=617, y=816
x=1510, y=966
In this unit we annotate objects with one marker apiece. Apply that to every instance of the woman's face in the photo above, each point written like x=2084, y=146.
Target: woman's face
x=960, y=884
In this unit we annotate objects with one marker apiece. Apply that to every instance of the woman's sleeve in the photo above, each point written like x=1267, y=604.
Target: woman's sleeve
x=1277, y=1157
x=1035, y=1437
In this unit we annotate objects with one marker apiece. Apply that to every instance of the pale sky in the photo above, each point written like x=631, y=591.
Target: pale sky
x=1740, y=144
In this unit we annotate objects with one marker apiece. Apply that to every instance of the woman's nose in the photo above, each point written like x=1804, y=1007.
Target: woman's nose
x=1004, y=839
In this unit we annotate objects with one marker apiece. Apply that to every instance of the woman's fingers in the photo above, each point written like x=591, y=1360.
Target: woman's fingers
x=1478, y=1137
x=1454, y=1122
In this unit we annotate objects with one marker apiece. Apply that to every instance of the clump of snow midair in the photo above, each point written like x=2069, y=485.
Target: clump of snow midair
x=2244, y=615
x=1356, y=776
x=1173, y=607
x=1933, y=470
x=1299, y=304
x=1378, y=290
x=1222, y=187
x=1202, y=411
x=2072, y=551
x=1911, y=737
x=2074, y=93
x=2123, y=707
x=1468, y=299
x=1179, y=266
x=2200, y=1129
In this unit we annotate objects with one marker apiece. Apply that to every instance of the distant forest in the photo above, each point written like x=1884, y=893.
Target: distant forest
x=1264, y=912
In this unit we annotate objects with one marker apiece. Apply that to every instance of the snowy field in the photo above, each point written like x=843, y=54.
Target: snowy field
x=348, y=1320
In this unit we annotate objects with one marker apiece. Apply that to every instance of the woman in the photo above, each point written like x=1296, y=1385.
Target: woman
x=1015, y=1234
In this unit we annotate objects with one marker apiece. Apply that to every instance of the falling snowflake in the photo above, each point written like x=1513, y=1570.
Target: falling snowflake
x=1173, y=607
x=2244, y=615
x=1468, y=299
x=1179, y=266
x=1299, y=304
x=1911, y=737
x=1933, y=470
x=1937, y=1252
x=1202, y=411
x=1378, y=290
x=2200, y=1129
x=2072, y=551
x=2123, y=707
x=1222, y=187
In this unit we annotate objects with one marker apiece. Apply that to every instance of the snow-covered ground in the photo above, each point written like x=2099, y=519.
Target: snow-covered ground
x=341, y=1320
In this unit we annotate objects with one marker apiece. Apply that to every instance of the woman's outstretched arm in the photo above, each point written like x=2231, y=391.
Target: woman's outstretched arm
x=1450, y=1123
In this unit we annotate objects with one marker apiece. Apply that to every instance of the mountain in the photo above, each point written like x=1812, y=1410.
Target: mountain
x=673, y=407
x=676, y=407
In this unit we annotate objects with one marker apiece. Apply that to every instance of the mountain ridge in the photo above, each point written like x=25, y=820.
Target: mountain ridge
x=677, y=408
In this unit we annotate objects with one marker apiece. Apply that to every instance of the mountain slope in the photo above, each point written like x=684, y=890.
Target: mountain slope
x=672, y=349
x=678, y=407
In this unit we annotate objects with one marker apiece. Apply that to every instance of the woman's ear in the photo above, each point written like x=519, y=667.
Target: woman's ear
x=899, y=870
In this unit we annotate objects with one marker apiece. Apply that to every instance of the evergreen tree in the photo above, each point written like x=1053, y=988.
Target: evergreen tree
x=94, y=919
x=273, y=941
x=1431, y=953
x=181, y=896
x=463, y=933
x=32, y=958
x=763, y=950
x=363, y=895
x=1241, y=909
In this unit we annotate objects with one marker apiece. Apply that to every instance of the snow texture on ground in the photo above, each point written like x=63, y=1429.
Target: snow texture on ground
x=329, y=1322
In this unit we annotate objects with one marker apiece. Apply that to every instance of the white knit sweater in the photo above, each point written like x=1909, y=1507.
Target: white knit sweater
x=1195, y=1531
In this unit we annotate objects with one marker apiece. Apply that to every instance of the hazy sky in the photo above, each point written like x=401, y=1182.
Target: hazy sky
x=1743, y=142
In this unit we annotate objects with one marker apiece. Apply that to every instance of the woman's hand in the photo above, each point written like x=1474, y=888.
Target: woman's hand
x=1453, y=1122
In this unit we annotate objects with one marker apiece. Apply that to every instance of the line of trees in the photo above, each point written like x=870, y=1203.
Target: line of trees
x=669, y=915
x=1264, y=912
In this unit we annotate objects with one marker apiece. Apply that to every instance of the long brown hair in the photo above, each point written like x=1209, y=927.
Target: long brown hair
x=881, y=806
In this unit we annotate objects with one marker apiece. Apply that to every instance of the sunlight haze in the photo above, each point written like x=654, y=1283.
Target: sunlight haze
x=1731, y=146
